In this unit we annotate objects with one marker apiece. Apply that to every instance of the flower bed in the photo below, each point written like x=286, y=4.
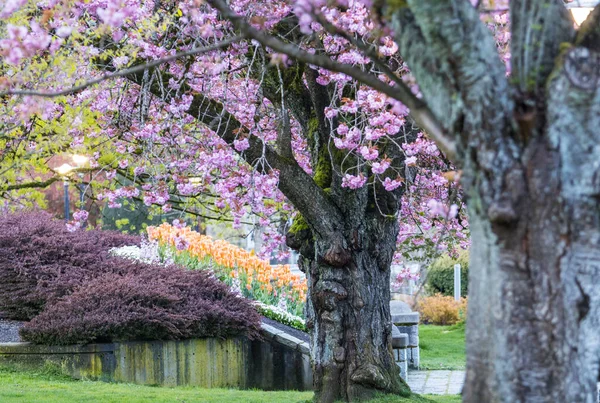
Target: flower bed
x=279, y=293
x=255, y=278
x=71, y=290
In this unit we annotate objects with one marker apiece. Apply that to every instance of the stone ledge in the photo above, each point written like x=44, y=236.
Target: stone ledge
x=269, y=331
x=304, y=348
x=287, y=340
x=404, y=319
x=279, y=336
x=399, y=340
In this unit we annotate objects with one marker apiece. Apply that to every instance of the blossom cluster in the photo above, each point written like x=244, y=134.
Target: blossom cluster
x=405, y=275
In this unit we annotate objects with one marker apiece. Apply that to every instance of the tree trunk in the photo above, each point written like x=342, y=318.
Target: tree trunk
x=533, y=305
x=534, y=319
x=349, y=313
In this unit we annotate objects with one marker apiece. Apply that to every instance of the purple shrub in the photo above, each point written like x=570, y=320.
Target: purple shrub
x=148, y=303
x=40, y=261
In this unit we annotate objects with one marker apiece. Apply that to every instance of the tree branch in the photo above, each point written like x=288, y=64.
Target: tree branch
x=294, y=183
x=453, y=56
x=31, y=185
x=45, y=183
x=538, y=27
x=418, y=109
x=124, y=72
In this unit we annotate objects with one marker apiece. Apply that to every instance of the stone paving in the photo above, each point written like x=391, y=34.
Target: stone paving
x=436, y=382
x=442, y=382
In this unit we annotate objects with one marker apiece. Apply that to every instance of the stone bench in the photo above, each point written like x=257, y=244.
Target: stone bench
x=407, y=323
x=400, y=345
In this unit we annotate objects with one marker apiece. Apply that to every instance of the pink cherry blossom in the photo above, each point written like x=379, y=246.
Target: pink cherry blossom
x=354, y=181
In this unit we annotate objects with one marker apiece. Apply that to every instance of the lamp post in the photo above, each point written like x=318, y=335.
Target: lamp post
x=64, y=171
x=80, y=161
x=580, y=9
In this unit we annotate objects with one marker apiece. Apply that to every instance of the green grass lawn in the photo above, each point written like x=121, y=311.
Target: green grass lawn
x=442, y=347
x=47, y=386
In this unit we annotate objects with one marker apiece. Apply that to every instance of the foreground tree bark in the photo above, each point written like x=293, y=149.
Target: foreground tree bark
x=530, y=156
x=538, y=262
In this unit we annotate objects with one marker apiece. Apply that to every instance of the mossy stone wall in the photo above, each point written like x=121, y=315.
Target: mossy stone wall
x=266, y=364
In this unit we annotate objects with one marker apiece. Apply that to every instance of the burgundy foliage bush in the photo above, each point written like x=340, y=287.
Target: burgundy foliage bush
x=73, y=291
x=155, y=303
x=40, y=261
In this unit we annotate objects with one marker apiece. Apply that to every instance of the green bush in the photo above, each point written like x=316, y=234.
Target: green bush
x=440, y=277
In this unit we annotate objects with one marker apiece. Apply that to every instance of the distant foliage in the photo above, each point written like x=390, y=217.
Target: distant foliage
x=156, y=303
x=442, y=310
x=73, y=291
x=440, y=276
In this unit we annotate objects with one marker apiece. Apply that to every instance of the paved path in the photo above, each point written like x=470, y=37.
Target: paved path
x=436, y=382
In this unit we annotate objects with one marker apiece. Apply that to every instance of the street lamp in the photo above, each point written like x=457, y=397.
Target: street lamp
x=580, y=9
x=80, y=161
x=64, y=170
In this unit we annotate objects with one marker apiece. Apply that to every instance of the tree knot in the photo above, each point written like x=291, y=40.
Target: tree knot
x=328, y=293
x=337, y=255
x=582, y=67
x=502, y=213
x=370, y=375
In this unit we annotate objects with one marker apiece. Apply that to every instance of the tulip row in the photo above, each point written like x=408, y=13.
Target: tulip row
x=254, y=278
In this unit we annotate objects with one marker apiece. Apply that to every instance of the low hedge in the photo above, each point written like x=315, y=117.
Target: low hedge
x=442, y=310
x=73, y=291
x=440, y=276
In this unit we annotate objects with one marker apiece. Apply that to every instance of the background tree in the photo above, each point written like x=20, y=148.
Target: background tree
x=315, y=98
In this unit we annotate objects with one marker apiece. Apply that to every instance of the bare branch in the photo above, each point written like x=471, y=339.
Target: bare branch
x=284, y=136
x=124, y=72
x=418, y=109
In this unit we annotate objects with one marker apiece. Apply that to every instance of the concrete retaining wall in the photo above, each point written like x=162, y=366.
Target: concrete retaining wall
x=278, y=362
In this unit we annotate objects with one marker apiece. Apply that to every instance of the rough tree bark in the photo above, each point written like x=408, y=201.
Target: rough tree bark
x=348, y=308
x=531, y=159
x=348, y=303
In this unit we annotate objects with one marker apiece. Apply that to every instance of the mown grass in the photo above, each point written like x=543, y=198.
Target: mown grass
x=442, y=347
x=49, y=386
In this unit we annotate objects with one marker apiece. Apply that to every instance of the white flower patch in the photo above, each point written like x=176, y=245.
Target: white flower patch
x=280, y=315
x=147, y=252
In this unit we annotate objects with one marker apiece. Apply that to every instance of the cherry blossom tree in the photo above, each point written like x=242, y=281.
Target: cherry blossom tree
x=328, y=112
